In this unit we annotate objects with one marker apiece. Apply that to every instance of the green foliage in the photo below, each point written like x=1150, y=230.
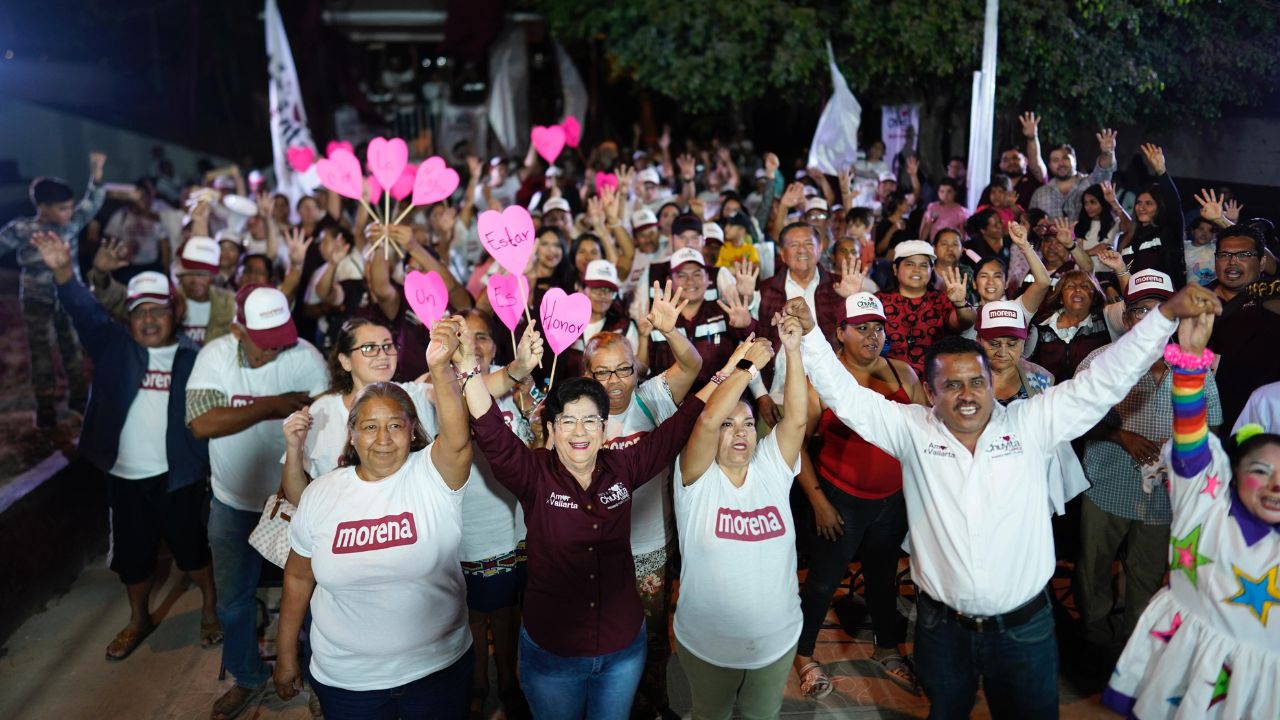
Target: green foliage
x=1091, y=62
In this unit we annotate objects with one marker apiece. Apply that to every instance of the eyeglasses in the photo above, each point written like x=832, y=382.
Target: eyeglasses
x=372, y=349
x=1139, y=311
x=1242, y=255
x=602, y=375
x=590, y=423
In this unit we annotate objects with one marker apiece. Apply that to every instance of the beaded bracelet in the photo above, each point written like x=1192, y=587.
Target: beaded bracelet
x=463, y=377
x=719, y=378
x=1175, y=356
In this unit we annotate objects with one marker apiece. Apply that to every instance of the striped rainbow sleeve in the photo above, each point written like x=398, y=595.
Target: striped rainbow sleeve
x=1190, y=428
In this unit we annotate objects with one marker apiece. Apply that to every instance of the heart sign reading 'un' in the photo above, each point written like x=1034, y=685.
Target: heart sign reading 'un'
x=564, y=318
x=508, y=236
x=427, y=296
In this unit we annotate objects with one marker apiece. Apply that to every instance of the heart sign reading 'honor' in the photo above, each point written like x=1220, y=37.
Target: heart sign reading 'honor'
x=508, y=236
x=427, y=296
x=340, y=172
x=564, y=318
x=572, y=131
x=434, y=182
x=548, y=141
x=508, y=294
x=386, y=159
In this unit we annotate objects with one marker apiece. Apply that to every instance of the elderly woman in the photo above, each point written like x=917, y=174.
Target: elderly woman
x=375, y=556
x=1002, y=332
x=582, y=645
x=734, y=517
x=1072, y=325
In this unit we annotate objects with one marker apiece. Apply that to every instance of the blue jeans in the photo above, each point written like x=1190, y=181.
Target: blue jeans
x=1018, y=666
x=572, y=688
x=442, y=694
x=236, y=567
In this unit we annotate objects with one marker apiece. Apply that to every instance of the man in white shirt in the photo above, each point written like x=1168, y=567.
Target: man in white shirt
x=975, y=477
x=241, y=386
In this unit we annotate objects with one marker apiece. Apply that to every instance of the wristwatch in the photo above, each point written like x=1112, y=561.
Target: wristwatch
x=745, y=364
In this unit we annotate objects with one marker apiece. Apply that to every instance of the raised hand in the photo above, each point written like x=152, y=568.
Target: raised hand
x=791, y=333
x=793, y=196
x=1106, y=141
x=446, y=338
x=1231, y=210
x=913, y=165
x=688, y=167
x=759, y=352
x=111, y=256
x=851, y=277
x=1031, y=125
x=1113, y=260
x=1194, y=332
x=97, y=161
x=1154, y=155
x=738, y=353
x=297, y=243
x=609, y=199
x=1018, y=233
x=296, y=427
x=1109, y=193
x=745, y=275
x=736, y=309
x=265, y=204
x=529, y=351
x=664, y=312
x=1064, y=232
x=1210, y=205
x=1191, y=301
x=595, y=211
x=798, y=308
x=626, y=176
x=664, y=140
x=201, y=211
x=698, y=207
x=956, y=286
x=770, y=165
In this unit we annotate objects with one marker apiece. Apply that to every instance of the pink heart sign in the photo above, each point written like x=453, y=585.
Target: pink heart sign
x=375, y=190
x=300, y=157
x=508, y=294
x=386, y=159
x=434, y=182
x=604, y=180
x=508, y=236
x=564, y=318
x=548, y=141
x=340, y=172
x=338, y=145
x=404, y=186
x=572, y=131
x=427, y=296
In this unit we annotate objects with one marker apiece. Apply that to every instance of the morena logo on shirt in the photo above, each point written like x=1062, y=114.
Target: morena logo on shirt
x=158, y=380
x=365, y=535
x=751, y=526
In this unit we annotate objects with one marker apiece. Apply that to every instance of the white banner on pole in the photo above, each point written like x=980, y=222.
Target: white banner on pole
x=835, y=141
x=288, y=116
x=900, y=130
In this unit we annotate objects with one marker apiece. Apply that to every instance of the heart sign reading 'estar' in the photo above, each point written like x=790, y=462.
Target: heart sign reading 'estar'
x=300, y=157
x=572, y=131
x=386, y=159
x=340, y=172
x=427, y=296
x=564, y=318
x=508, y=236
x=434, y=182
x=548, y=141
x=508, y=294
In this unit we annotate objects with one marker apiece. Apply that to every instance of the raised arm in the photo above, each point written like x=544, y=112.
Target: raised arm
x=377, y=276
x=513, y=463
x=962, y=315
x=293, y=474
x=1037, y=290
x=1190, y=453
x=700, y=450
x=451, y=451
x=795, y=392
x=298, y=246
x=92, y=322
x=1031, y=131
x=663, y=313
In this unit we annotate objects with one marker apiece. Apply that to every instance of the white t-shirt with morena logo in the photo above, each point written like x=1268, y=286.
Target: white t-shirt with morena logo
x=390, y=604
x=141, y=453
x=245, y=465
x=651, y=502
x=195, y=323
x=739, y=604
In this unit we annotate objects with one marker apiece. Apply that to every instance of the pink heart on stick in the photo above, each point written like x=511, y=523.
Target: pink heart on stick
x=375, y=190
x=404, y=186
x=386, y=159
x=508, y=236
x=434, y=182
x=508, y=294
x=604, y=180
x=426, y=295
x=338, y=145
x=340, y=172
x=572, y=131
x=300, y=157
x=564, y=318
x=548, y=141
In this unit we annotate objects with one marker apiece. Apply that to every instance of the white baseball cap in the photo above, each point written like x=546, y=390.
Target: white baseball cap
x=555, y=204
x=907, y=248
x=816, y=203
x=264, y=312
x=229, y=235
x=601, y=273
x=649, y=175
x=888, y=176
x=712, y=230
x=148, y=287
x=199, y=254
x=643, y=219
x=686, y=255
x=1002, y=318
x=1148, y=283
x=863, y=307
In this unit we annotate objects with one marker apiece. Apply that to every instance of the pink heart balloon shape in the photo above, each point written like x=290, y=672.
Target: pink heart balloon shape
x=434, y=182
x=564, y=318
x=386, y=159
x=548, y=141
x=508, y=294
x=375, y=190
x=427, y=296
x=604, y=180
x=508, y=236
x=340, y=172
x=300, y=157
x=404, y=186
x=338, y=145
x=572, y=131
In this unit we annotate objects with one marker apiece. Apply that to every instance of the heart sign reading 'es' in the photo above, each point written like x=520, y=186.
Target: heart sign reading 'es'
x=564, y=318
x=340, y=172
x=508, y=236
x=300, y=157
x=572, y=131
x=548, y=141
x=386, y=159
x=427, y=296
x=508, y=294
x=434, y=182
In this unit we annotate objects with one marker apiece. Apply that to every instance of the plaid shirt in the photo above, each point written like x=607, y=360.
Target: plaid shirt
x=37, y=278
x=1056, y=205
x=1116, y=479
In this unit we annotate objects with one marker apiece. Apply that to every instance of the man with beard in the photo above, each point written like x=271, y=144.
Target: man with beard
x=1061, y=195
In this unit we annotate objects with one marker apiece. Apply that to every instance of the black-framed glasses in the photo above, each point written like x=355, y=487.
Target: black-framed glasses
x=1242, y=255
x=623, y=372
x=372, y=349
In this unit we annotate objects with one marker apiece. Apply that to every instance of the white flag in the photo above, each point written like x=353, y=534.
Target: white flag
x=835, y=142
x=288, y=117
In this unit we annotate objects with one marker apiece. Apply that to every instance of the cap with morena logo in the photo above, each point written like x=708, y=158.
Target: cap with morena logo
x=264, y=313
x=1002, y=318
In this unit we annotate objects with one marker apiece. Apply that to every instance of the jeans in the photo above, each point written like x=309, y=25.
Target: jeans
x=236, y=566
x=574, y=688
x=442, y=694
x=875, y=529
x=1018, y=666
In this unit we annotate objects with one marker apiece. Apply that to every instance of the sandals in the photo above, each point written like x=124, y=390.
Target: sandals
x=814, y=683
x=900, y=672
x=126, y=642
x=210, y=635
x=234, y=701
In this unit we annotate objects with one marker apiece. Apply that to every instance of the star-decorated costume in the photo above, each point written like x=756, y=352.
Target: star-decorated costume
x=1208, y=645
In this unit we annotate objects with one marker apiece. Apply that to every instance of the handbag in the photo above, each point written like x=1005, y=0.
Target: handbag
x=271, y=536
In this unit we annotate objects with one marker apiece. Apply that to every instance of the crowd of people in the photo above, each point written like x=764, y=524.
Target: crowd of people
x=783, y=372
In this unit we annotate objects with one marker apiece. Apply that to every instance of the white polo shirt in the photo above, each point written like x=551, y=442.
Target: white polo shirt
x=981, y=541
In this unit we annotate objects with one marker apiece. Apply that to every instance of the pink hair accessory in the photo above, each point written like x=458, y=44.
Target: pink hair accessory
x=1176, y=357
